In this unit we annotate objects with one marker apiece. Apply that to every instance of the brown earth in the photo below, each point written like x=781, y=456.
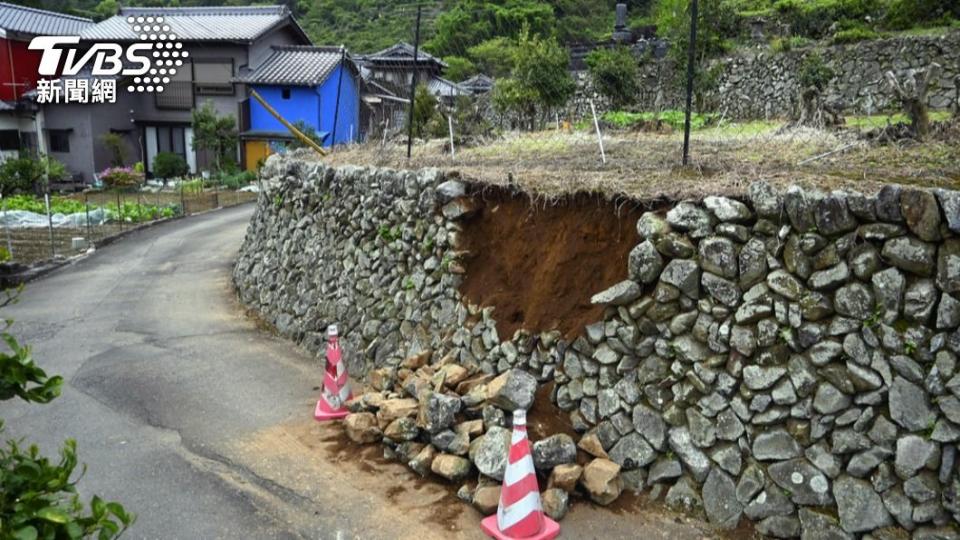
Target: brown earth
x=538, y=262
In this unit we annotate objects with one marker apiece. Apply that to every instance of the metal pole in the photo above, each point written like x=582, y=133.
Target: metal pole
x=46, y=200
x=183, y=208
x=86, y=209
x=413, y=84
x=691, y=55
x=336, y=110
x=6, y=226
x=596, y=125
x=450, y=125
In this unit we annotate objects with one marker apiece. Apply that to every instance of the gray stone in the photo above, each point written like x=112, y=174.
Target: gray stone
x=823, y=459
x=910, y=254
x=922, y=213
x=766, y=201
x=620, y=294
x=727, y=456
x=490, y=451
x=726, y=209
x=950, y=203
x=919, y=301
x=899, y=506
x=729, y=427
x=695, y=460
x=800, y=207
x=650, y=225
x=909, y=406
x=684, y=495
x=779, y=527
x=818, y=526
x=770, y=502
x=888, y=203
x=687, y=216
x=512, y=390
x=449, y=190
x=751, y=482
x=862, y=206
x=832, y=215
x=948, y=267
x=720, y=501
x=650, y=425
x=829, y=279
x=753, y=263
x=438, y=412
x=664, y=468
x=859, y=507
x=718, y=255
x=775, y=445
x=805, y=483
x=644, y=263
x=703, y=432
x=720, y=289
x=830, y=400
x=864, y=261
x=854, y=300
x=683, y=274
x=785, y=284
x=948, y=312
x=761, y=378
x=888, y=287
x=554, y=450
x=913, y=453
x=632, y=452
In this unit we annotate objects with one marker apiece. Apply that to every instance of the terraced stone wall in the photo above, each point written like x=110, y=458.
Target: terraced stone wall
x=789, y=358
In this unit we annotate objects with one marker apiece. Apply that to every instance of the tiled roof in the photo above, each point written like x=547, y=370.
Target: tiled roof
x=477, y=84
x=39, y=22
x=297, y=66
x=198, y=23
x=401, y=52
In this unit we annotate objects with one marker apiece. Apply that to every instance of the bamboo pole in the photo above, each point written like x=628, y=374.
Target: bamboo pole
x=296, y=132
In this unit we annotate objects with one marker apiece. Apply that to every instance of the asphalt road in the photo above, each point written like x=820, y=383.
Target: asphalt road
x=199, y=420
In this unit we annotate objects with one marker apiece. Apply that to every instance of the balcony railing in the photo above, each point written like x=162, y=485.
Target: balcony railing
x=176, y=95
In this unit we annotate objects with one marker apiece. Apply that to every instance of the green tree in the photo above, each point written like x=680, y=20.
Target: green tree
x=470, y=22
x=540, y=78
x=24, y=172
x=38, y=498
x=117, y=146
x=169, y=165
x=424, y=110
x=614, y=75
x=106, y=9
x=307, y=130
x=494, y=57
x=217, y=134
x=459, y=68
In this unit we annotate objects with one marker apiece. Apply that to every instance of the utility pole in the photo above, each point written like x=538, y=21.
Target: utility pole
x=691, y=56
x=336, y=111
x=413, y=84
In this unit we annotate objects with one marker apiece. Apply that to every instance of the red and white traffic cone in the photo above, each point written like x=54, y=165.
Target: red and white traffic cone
x=336, y=384
x=520, y=514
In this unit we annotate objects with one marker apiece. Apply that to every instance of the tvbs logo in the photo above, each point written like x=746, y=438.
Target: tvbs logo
x=151, y=61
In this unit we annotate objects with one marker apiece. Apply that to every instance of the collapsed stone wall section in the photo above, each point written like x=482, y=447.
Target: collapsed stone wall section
x=790, y=357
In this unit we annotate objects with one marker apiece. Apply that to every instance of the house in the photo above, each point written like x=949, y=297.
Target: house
x=477, y=85
x=224, y=43
x=387, y=76
x=318, y=86
x=18, y=74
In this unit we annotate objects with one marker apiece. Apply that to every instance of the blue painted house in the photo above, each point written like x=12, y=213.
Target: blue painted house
x=319, y=86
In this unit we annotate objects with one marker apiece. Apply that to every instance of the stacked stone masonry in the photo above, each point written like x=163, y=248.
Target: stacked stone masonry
x=789, y=358
x=761, y=83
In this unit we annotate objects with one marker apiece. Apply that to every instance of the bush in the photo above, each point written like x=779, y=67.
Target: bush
x=853, y=35
x=673, y=118
x=614, y=75
x=24, y=172
x=813, y=18
x=904, y=14
x=121, y=178
x=786, y=44
x=117, y=146
x=815, y=72
x=169, y=165
x=238, y=180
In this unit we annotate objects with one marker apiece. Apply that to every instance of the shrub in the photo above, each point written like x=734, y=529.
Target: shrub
x=22, y=173
x=815, y=72
x=904, y=14
x=614, y=75
x=786, y=44
x=121, y=178
x=117, y=146
x=813, y=18
x=853, y=35
x=169, y=165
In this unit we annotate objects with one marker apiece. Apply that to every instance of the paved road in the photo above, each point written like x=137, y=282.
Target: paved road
x=198, y=420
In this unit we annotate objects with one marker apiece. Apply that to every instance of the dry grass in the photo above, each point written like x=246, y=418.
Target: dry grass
x=646, y=165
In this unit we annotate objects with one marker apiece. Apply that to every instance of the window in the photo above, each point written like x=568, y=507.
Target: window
x=59, y=140
x=9, y=139
x=285, y=93
x=213, y=77
x=170, y=139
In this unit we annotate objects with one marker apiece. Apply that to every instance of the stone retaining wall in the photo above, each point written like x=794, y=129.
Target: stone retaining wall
x=764, y=84
x=790, y=358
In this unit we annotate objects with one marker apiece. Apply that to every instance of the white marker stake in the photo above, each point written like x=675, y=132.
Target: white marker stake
x=450, y=124
x=596, y=124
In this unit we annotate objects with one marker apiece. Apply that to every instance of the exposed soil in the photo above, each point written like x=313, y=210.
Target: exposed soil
x=539, y=262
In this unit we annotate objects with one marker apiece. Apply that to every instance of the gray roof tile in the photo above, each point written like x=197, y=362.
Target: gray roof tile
x=296, y=65
x=196, y=23
x=38, y=22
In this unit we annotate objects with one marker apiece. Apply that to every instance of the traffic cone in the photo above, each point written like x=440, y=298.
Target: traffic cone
x=336, y=385
x=520, y=514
